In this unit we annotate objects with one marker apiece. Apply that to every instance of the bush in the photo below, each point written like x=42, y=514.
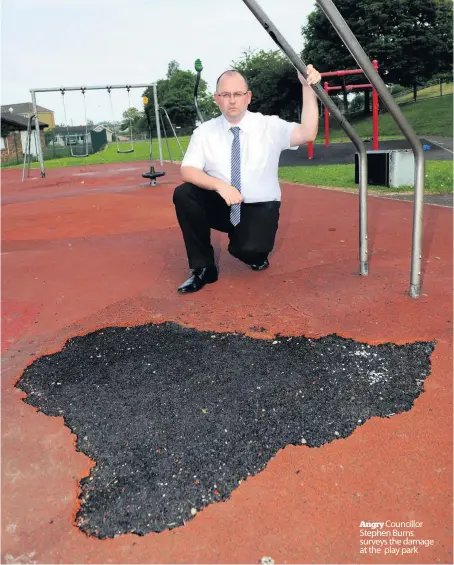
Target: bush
x=396, y=89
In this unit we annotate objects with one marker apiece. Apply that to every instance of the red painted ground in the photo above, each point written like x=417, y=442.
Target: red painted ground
x=91, y=247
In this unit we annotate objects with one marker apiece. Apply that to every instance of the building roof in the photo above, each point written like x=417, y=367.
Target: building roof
x=18, y=122
x=23, y=108
x=79, y=129
x=100, y=127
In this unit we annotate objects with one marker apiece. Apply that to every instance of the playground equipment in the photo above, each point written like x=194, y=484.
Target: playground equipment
x=164, y=111
x=199, y=68
x=70, y=140
x=349, y=87
x=33, y=92
x=364, y=63
x=131, y=149
x=68, y=137
x=27, y=153
x=152, y=175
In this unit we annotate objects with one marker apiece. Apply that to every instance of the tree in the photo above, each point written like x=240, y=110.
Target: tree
x=411, y=39
x=176, y=95
x=49, y=136
x=131, y=117
x=132, y=113
x=208, y=106
x=358, y=102
x=273, y=81
x=172, y=67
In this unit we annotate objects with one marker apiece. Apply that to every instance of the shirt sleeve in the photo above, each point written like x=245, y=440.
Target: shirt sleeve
x=195, y=154
x=281, y=132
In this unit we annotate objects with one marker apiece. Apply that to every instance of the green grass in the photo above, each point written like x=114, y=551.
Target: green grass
x=427, y=117
x=439, y=177
x=110, y=155
x=433, y=90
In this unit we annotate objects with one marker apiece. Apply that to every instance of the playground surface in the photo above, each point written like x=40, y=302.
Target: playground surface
x=94, y=247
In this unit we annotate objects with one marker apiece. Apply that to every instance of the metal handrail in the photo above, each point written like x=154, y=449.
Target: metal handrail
x=277, y=37
x=363, y=61
x=352, y=44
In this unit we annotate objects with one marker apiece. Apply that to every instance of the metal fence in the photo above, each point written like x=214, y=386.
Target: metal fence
x=145, y=136
x=441, y=83
x=50, y=152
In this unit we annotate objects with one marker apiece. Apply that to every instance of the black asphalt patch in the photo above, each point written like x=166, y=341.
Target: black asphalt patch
x=176, y=418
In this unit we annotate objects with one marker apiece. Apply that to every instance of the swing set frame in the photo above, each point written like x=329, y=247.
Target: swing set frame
x=63, y=89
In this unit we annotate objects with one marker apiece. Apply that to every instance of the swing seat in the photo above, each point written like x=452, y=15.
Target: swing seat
x=127, y=151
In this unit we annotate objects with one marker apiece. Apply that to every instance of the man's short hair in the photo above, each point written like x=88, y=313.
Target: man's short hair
x=231, y=72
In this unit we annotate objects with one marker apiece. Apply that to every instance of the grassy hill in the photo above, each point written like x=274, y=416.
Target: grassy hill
x=427, y=92
x=427, y=117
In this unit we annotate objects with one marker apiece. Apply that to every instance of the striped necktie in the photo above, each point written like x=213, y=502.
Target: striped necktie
x=235, y=174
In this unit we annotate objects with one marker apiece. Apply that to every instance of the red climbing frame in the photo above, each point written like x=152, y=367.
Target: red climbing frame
x=350, y=87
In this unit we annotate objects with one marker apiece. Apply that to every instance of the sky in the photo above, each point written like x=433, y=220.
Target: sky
x=55, y=43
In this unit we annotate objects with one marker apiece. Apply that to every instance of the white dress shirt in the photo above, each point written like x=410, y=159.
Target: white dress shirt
x=262, y=139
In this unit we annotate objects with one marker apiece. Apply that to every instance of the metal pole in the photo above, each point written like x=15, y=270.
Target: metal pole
x=173, y=130
x=15, y=147
x=361, y=58
x=310, y=150
x=350, y=87
x=158, y=127
x=374, y=112
x=326, y=88
x=167, y=139
x=27, y=147
x=342, y=73
x=374, y=120
x=38, y=145
x=29, y=151
x=147, y=115
x=199, y=68
x=277, y=37
x=122, y=86
x=29, y=159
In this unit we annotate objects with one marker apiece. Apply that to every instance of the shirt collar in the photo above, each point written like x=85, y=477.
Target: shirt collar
x=244, y=125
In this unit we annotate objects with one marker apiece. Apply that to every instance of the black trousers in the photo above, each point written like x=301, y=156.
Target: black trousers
x=199, y=211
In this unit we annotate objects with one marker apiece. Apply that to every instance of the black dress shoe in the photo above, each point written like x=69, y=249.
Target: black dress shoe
x=199, y=278
x=261, y=266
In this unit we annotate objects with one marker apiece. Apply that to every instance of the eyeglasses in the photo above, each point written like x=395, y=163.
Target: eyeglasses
x=236, y=95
